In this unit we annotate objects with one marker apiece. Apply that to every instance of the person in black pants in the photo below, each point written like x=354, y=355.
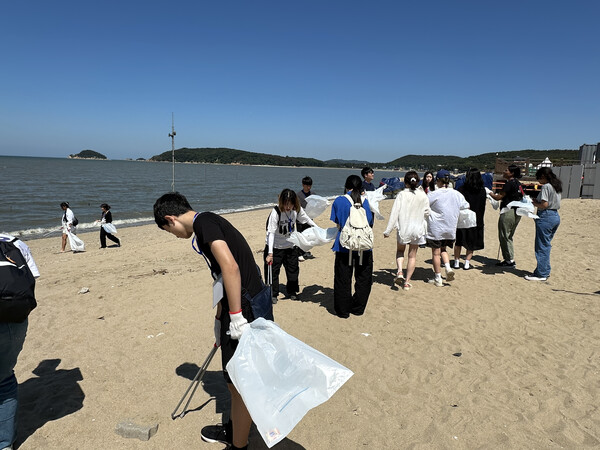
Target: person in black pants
x=344, y=302
x=106, y=218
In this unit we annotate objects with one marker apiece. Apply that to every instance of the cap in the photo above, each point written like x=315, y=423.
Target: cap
x=443, y=173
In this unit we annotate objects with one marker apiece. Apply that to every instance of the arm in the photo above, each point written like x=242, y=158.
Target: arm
x=303, y=218
x=232, y=280
x=393, y=220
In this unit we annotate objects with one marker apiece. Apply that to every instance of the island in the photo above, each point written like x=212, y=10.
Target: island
x=87, y=154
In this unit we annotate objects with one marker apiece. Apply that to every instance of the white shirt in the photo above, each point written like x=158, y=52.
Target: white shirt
x=279, y=229
x=445, y=204
x=408, y=215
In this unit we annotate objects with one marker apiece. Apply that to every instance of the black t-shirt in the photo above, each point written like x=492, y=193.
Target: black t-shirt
x=512, y=192
x=210, y=227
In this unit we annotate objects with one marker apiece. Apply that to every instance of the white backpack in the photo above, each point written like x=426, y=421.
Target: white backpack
x=357, y=234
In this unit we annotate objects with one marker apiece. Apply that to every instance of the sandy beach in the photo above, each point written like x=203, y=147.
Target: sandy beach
x=490, y=361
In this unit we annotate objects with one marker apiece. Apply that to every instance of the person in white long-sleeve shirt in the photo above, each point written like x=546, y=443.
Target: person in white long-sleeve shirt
x=445, y=204
x=278, y=251
x=67, y=224
x=409, y=217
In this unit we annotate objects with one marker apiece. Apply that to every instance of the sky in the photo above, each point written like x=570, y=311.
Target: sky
x=322, y=79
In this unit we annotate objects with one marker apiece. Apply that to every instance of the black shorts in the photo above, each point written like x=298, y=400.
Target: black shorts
x=229, y=345
x=433, y=243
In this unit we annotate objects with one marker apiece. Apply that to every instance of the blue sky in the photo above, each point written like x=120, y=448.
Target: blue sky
x=323, y=79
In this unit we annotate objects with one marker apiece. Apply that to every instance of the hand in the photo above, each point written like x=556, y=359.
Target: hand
x=238, y=324
x=217, y=332
x=269, y=259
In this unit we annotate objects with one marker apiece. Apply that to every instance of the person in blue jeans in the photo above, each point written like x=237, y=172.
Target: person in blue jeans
x=548, y=204
x=12, y=337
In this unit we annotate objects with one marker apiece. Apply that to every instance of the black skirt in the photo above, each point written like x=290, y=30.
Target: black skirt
x=470, y=238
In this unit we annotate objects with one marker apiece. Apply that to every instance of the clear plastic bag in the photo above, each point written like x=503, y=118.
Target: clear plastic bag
x=315, y=206
x=312, y=237
x=109, y=228
x=466, y=219
x=281, y=378
x=76, y=244
x=524, y=207
x=374, y=198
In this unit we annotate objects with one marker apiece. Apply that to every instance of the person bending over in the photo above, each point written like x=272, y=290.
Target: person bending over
x=232, y=263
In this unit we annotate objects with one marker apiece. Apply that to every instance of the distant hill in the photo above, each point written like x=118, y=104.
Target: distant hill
x=485, y=161
x=233, y=156
x=88, y=154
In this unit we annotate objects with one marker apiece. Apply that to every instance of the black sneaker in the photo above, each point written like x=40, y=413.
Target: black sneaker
x=217, y=434
x=506, y=264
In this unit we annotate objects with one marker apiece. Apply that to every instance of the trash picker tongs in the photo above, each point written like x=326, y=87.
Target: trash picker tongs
x=195, y=381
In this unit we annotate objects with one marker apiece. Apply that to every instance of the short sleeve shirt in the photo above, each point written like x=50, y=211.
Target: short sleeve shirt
x=549, y=195
x=512, y=192
x=210, y=227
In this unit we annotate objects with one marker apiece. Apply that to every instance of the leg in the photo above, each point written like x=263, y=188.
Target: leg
x=400, y=248
x=412, y=261
x=113, y=238
x=292, y=270
x=102, y=238
x=363, y=275
x=545, y=227
x=64, y=242
x=12, y=336
x=342, y=285
x=457, y=250
x=240, y=417
x=275, y=268
x=436, y=256
x=504, y=223
x=444, y=256
x=515, y=221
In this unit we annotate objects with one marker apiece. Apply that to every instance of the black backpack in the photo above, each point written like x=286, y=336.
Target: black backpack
x=17, y=284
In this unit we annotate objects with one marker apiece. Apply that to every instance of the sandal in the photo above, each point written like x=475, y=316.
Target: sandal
x=407, y=286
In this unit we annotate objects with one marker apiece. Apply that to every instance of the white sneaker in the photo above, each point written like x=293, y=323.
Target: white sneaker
x=449, y=275
x=534, y=278
x=457, y=264
x=435, y=282
x=301, y=258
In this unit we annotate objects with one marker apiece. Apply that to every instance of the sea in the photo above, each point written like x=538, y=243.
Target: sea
x=33, y=189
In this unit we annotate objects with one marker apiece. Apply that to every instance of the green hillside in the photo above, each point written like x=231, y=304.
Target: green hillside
x=485, y=161
x=232, y=156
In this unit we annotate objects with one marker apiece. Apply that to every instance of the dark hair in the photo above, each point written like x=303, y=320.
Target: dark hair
x=431, y=185
x=365, y=171
x=473, y=180
x=287, y=195
x=550, y=176
x=170, y=204
x=307, y=181
x=64, y=205
x=106, y=206
x=411, y=179
x=354, y=183
x=515, y=170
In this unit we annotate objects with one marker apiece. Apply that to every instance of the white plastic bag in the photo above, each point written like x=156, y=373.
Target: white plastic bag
x=524, y=207
x=281, y=378
x=466, y=219
x=374, y=198
x=76, y=244
x=315, y=206
x=312, y=237
x=109, y=228
x=495, y=203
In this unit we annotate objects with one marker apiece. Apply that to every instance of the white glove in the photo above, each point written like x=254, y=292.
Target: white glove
x=238, y=324
x=217, y=332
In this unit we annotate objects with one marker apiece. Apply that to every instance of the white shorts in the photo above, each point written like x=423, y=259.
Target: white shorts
x=417, y=241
